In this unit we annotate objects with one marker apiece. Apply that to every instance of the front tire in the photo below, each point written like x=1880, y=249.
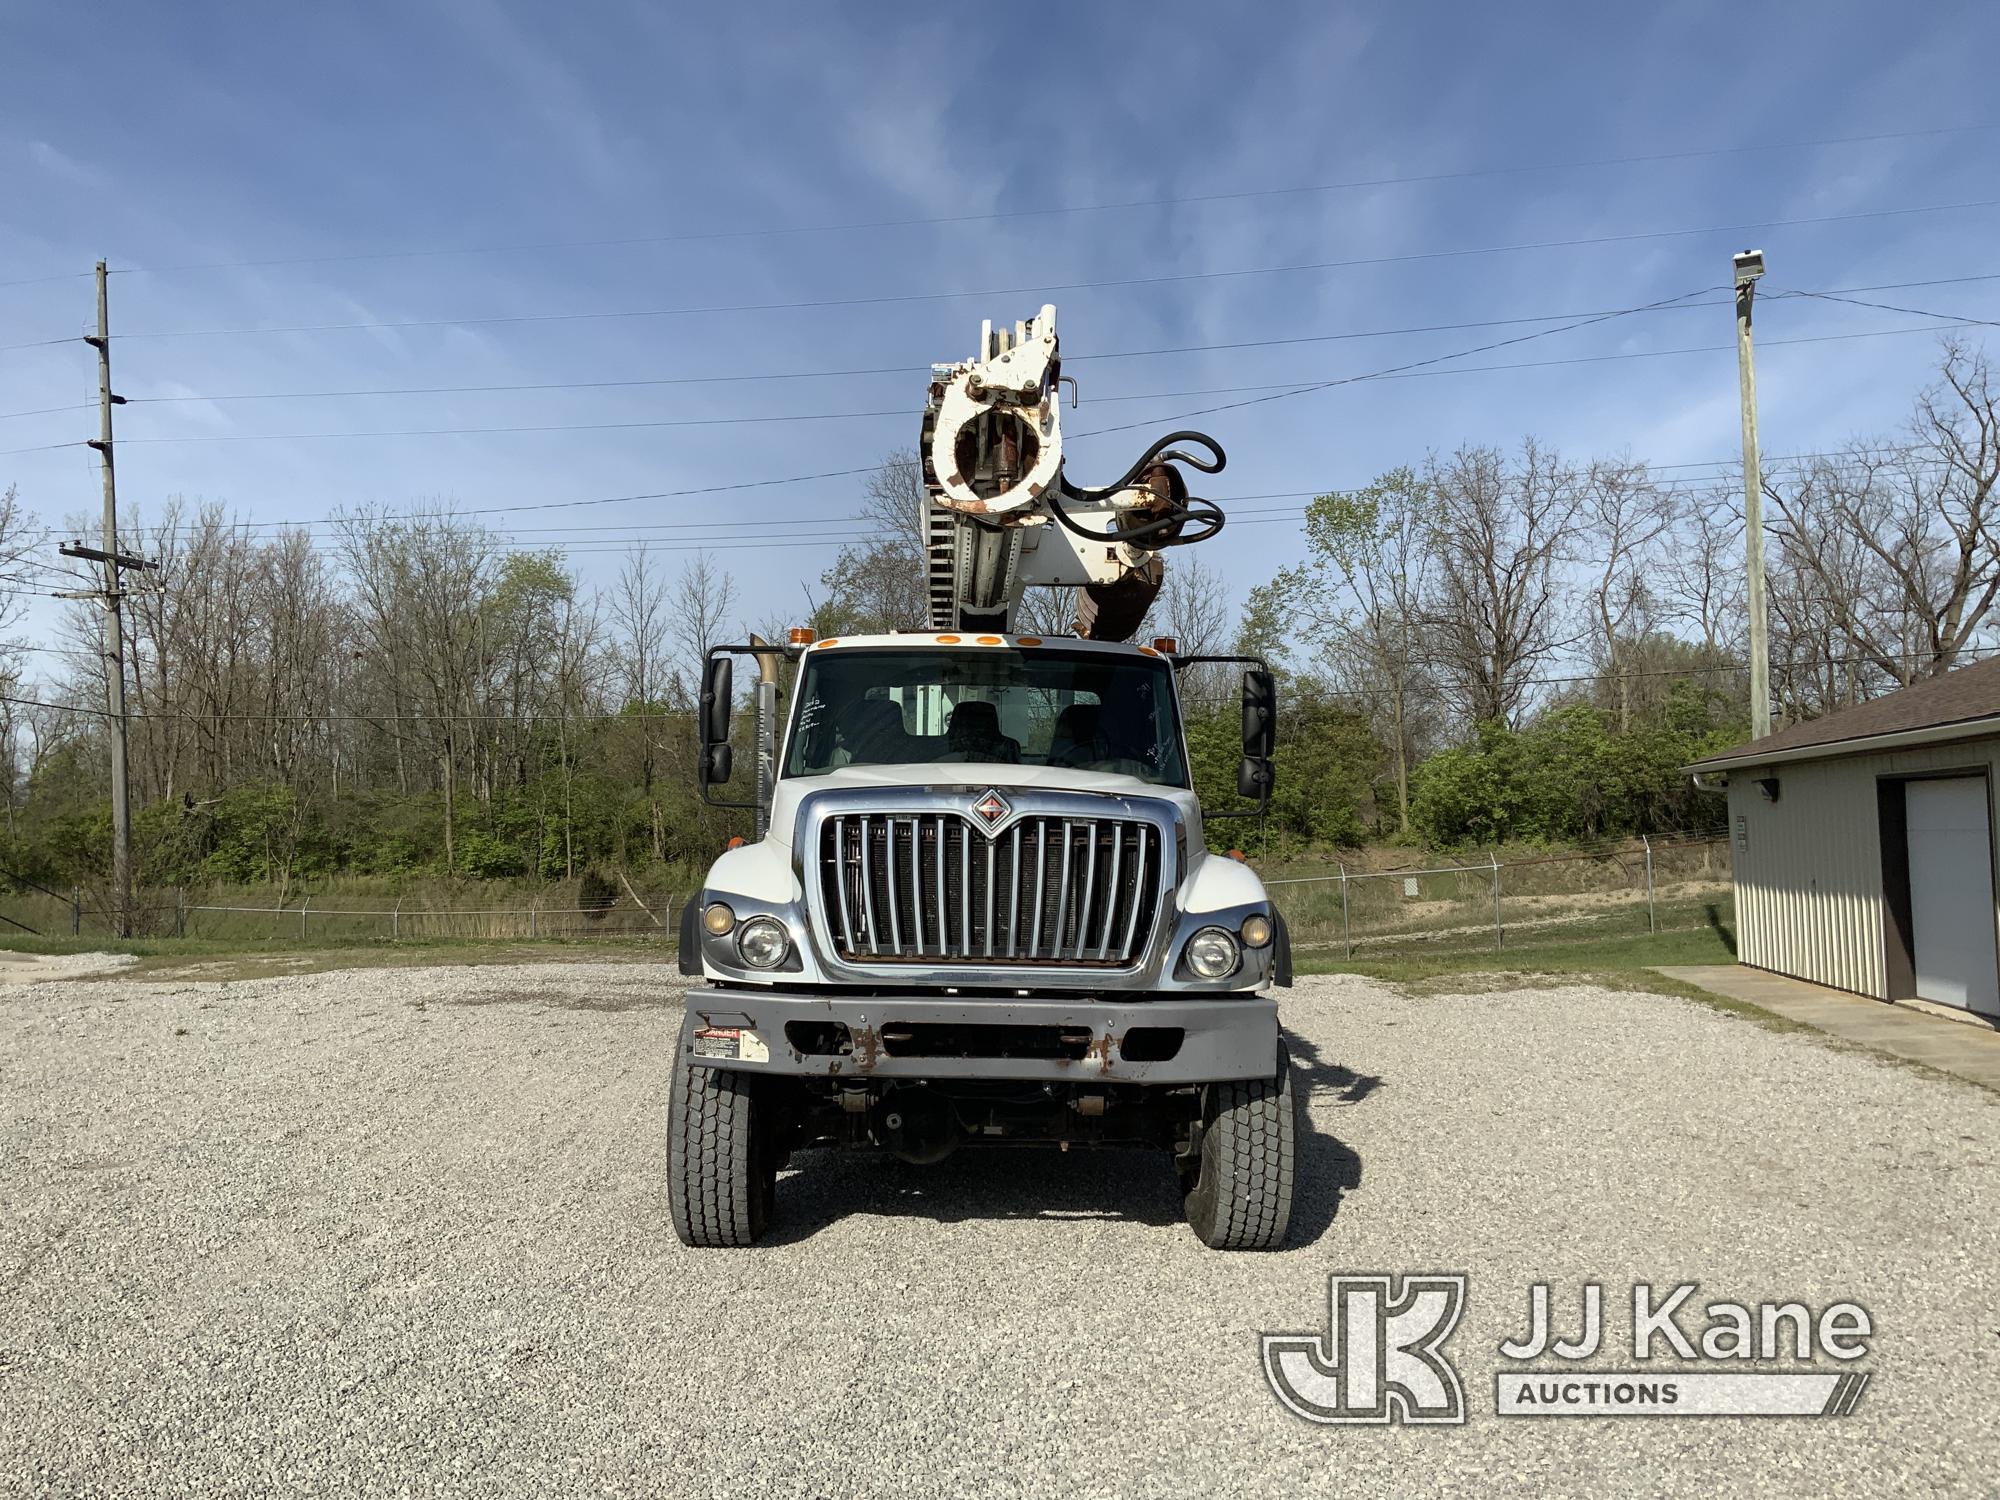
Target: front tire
x=1241, y=1197
x=722, y=1157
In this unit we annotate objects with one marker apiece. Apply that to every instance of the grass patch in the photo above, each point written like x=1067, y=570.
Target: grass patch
x=1627, y=957
x=220, y=960
x=1618, y=963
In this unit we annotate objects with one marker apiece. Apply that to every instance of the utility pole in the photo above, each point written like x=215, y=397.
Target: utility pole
x=1748, y=266
x=111, y=597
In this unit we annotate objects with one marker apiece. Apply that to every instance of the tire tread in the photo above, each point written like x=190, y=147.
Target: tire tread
x=718, y=1162
x=1242, y=1198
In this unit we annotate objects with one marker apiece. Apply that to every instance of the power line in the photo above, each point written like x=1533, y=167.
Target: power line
x=1170, y=279
x=43, y=343
x=1594, y=359
x=1279, y=389
x=727, y=536
x=442, y=515
x=1952, y=319
x=1402, y=370
x=43, y=411
x=1273, y=394
x=917, y=368
x=677, y=422
x=997, y=215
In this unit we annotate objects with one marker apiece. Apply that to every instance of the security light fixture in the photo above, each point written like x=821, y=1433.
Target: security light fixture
x=1768, y=785
x=1749, y=266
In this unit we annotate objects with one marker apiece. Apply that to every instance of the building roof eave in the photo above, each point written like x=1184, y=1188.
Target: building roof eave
x=1932, y=734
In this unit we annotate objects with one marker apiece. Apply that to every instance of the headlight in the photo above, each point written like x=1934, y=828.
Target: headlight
x=717, y=919
x=1256, y=930
x=1211, y=953
x=763, y=942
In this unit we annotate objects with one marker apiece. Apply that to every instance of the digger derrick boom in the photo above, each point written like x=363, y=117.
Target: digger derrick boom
x=1003, y=515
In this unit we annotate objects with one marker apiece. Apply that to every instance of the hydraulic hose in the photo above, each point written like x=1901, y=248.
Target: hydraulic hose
x=1180, y=509
x=1145, y=460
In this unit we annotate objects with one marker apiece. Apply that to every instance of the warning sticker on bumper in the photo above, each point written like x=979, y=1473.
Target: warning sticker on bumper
x=717, y=1041
x=731, y=1042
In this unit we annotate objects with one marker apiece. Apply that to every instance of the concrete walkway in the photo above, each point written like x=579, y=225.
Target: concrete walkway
x=1968, y=1050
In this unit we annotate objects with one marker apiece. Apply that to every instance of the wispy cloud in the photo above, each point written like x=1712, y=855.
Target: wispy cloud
x=62, y=166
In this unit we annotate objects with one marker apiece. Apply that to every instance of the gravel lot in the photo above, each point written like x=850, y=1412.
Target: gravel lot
x=407, y=1230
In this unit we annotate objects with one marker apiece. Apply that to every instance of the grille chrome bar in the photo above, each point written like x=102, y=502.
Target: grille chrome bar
x=889, y=869
x=867, y=888
x=1062, y=891
x=1014, y=906
x=840, y=872
x=992, y=850
x=1066, y=890
x=943, y=906
x=1111, y=895
x=1132, y=922
x=917, y=886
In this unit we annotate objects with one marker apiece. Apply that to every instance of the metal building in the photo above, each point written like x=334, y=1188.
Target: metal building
x=1863, y=844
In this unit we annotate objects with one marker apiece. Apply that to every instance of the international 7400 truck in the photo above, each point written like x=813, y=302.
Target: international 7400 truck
x=981, y=907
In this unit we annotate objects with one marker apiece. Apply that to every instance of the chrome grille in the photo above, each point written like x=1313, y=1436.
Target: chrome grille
x=1045, y=890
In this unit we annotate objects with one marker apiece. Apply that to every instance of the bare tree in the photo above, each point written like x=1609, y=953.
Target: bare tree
x=20, y=571
x=1045, y=611
x=1498, y=536
x=1359, y=598
x=1626, y=515
x=422, y=584
x=305, y=645
x=1901, y=545
x=701, y=603
x=1193, y=608
x=639, y=612
x=883, y=582
x=1702, y=579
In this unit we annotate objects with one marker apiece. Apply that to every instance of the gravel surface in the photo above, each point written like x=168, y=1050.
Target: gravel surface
x=38, y=968
x=406, y=1230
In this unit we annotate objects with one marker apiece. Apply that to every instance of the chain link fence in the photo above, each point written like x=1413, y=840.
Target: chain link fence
x=1674, y=883
x=332, y=919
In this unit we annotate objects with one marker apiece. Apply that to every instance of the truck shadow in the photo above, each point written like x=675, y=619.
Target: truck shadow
x=1329, y=1168
x=1107, y=1184
x=975, y=1183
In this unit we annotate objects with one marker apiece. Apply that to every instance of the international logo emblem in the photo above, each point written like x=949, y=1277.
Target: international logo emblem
x=991, y=808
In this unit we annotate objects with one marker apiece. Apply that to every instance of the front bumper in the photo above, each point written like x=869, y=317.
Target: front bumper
x=1043, y=1038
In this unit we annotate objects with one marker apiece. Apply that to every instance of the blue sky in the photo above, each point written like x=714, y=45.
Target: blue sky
x=325, y=143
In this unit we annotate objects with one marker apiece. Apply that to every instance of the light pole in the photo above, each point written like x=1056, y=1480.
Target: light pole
x=1748, y=265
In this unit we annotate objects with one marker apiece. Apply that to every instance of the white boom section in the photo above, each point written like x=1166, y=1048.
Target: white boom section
x=993, y=463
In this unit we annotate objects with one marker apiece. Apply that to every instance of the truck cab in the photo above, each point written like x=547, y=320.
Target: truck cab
x=980, y=909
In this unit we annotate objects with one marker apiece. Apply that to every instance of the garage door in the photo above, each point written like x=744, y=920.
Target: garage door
x=1951, y=893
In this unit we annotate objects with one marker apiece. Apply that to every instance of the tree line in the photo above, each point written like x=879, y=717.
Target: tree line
x=1481, y=645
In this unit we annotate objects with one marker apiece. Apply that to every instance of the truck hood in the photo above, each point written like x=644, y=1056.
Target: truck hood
x=972, y=778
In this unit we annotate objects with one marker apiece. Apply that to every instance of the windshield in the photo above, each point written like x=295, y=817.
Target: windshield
x=1086, y=711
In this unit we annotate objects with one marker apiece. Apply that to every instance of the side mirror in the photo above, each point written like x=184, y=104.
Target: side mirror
x=1254, y=778
x=1260, y=715
x=715, y=699
x=716, y=685
x=716, y=763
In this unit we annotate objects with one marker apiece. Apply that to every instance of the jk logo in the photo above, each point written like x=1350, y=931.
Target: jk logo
x=1379, y=1360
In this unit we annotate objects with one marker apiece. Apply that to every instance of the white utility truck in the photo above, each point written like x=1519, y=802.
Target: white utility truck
x=980, y=907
